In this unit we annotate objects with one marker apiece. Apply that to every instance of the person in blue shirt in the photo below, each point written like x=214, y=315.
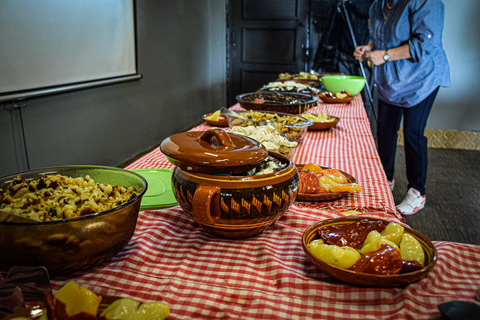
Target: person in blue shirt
x=410, y=65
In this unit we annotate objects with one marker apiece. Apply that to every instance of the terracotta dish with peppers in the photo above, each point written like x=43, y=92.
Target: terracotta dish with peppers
x=339, y=97
x=369, y=251
x=369, y=247
x=319, y=183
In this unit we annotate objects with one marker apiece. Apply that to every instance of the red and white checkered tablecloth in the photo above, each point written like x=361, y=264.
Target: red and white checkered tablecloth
x=349, y=147
x=171, y=259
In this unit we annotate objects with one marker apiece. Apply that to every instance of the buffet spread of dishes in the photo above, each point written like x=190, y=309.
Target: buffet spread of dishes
x=235, y=182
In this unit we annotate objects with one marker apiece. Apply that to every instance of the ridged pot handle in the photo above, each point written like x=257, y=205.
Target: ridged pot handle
x=202, y=200
x=221, y=135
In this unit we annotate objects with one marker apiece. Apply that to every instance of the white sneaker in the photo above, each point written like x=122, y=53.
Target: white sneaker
x=412, y=203
x=391, y=184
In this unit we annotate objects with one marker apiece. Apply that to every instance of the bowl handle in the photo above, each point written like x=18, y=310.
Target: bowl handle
x=201, y=204
x=222, y=137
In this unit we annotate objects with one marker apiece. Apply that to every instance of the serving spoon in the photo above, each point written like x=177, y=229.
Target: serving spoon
x=233, y=114
x=6, y=216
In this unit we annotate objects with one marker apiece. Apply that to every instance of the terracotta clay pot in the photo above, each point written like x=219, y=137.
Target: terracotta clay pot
x=213, y=151
x=236, y=207
x=212, y=191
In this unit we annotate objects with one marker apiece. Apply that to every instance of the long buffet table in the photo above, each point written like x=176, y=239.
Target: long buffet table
x=171, y=259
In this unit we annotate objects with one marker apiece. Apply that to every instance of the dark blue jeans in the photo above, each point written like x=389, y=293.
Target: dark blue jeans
x=415, y=142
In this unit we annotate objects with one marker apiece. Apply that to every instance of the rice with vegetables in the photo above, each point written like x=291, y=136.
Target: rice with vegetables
x=57, y=197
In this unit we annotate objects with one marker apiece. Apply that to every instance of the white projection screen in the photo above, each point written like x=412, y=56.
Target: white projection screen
x=45, y=43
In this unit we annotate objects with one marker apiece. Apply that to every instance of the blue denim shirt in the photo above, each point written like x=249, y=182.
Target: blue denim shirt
x=419, y=23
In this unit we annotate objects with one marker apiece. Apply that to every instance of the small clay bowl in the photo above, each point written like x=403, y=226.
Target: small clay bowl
x=223, y=122
x=365, y=279
x=324, y=125
x=324, y=196
x=328, y=99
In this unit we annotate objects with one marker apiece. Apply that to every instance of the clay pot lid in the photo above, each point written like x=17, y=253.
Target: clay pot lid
x=213, y=151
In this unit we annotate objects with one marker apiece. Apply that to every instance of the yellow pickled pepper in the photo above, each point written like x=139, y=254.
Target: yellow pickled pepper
x=390, y=243
x=346, y=187
x=128, y=309
x=335, y=175
x=342, y=257
x=393, y=232
x=78, y=299
x=327, y=183
x=411, y=249
x=374, y=240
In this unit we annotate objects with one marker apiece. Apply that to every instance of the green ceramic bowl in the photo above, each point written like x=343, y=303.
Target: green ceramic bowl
x=352, y=84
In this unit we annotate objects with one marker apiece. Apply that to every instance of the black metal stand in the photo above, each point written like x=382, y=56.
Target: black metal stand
x=352, y=34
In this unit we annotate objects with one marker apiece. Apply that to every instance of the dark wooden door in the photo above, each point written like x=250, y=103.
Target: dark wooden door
x=266, y=37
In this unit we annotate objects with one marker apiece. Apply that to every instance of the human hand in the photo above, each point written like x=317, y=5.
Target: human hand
x=375, y=57
x=360, y=52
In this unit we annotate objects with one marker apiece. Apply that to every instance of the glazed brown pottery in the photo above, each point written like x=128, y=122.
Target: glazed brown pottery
x=325, y=125
x=324, y=196
x=234, y=206
x=277, y=102
x=365, y=279
x=213, y=151
x=222, y=122
x=335, y=100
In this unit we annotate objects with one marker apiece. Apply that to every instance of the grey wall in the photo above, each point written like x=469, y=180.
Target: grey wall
x=182, y=57
x=458, y=107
